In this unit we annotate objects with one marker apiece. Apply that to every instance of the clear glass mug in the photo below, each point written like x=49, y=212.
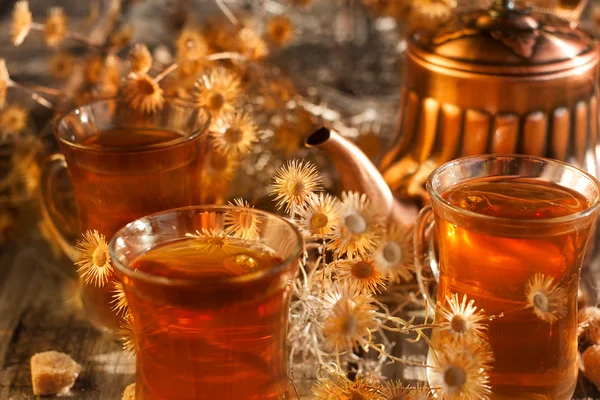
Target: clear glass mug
x=519, y=259
x=123, y=165
x=201, y=331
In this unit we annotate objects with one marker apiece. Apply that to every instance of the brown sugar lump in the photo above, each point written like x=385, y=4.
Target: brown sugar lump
x=591, y=364
x=53, y=373
x=129, y=393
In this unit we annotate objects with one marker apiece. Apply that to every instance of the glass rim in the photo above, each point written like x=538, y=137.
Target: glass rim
x=240, y=279
x=435, y=196
x=142, y=149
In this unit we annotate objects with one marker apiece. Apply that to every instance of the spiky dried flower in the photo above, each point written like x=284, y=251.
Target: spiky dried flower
x=209, y=240
x=4, y=82
x=420, y=392
x=591, y=364
x=588, y=327
x=546, y=297
x=394, y=253
x=293, y=184
x=359, y=227
x=241, y=221
x=361, y=273
x=13, y=119
x=338, y=387
x=348, y=318
x=461, y=321
x=219, y=91
x=280, y=30
x=140, y=59
x=251, y=44
x=143, y=94
x=119, y=302
x=55, y=28
x=317, y=217
x=126, y=335
x=21, y=22
x=234, y=134
x=191, y=45
x=394, y=390
x=94, y=259
x=60, y=65
x=460, y=374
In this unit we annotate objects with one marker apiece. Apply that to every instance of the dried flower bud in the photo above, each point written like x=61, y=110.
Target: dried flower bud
x=280, y=30
x=55, y=28
x=591, y=364
x=140, y=59
x=21, y=22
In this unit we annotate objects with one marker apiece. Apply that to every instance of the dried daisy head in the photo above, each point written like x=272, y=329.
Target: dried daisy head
x=359, y=226
x=317, y=217
x=393, y=390
x=94, y=259
x=140, y=59
x=462, y=322
x=419, y=392
x=191, y=45
x=362, y=273
x=348, y=318
x=61, y=65
x=109, y=78
x=234, y=134
x=460, y=374
x=280, y=30
x=241, y=221
x=55, y=28
x=119, y=302
x=546, y=297
x=219, y=91
x=394, y=254
x=4, y=82
x=13, y=120
x=251, y=44
x=126, y=334
x=294, y=183
x=333, y=387
x=21, y=22
x=209, y=240
x=143, y=94
x=588, y=327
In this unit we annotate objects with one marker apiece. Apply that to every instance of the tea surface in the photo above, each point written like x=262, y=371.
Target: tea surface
x=130, y=138
x=200, y=347
x=492, y=265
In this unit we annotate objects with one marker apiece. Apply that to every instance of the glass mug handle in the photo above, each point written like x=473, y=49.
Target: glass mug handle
x=49, y=205
x=426, y=259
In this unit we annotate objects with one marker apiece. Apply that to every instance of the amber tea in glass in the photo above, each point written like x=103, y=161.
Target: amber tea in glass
x=499, y=222
x=209, y=311
x=124, y=165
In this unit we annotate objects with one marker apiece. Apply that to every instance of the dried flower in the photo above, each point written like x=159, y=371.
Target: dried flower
x=338, y=387
x=591, y=364
x=94, y=259
x=55, y=28
x=191, y=45
x=234, y=133
x=357, y=233
x=61, y=65
x=220, y=167
x=419, y=392
x=251, y=44
x=13, y=119
x=140, y=59
x=460, y=374
x=4, y=82
x=119, y=301
x=394, y=391
x=461, y=321
x=294, y=183
x=21, y=22
x=242, y=222
x=394, y=254
x=121, y=37
x=109, y=77
x=546, y=297
x=280, y=30
x=126, y=334
x=318, y=215
x=589, y=324
x=143, y=94
x=361, y=273
x=348, y=317
x=219, y=91
x=209, y=240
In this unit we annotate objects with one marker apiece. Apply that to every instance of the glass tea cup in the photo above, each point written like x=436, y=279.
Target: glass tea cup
x=123, y=164
x=208, y=308
x=509, y=233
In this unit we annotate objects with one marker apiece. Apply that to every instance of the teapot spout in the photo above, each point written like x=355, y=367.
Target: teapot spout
x=358, y=173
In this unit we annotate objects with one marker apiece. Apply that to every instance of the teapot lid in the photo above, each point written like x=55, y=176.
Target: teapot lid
x=505, y=40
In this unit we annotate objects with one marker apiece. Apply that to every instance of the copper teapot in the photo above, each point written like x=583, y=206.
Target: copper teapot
x=498, y=80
